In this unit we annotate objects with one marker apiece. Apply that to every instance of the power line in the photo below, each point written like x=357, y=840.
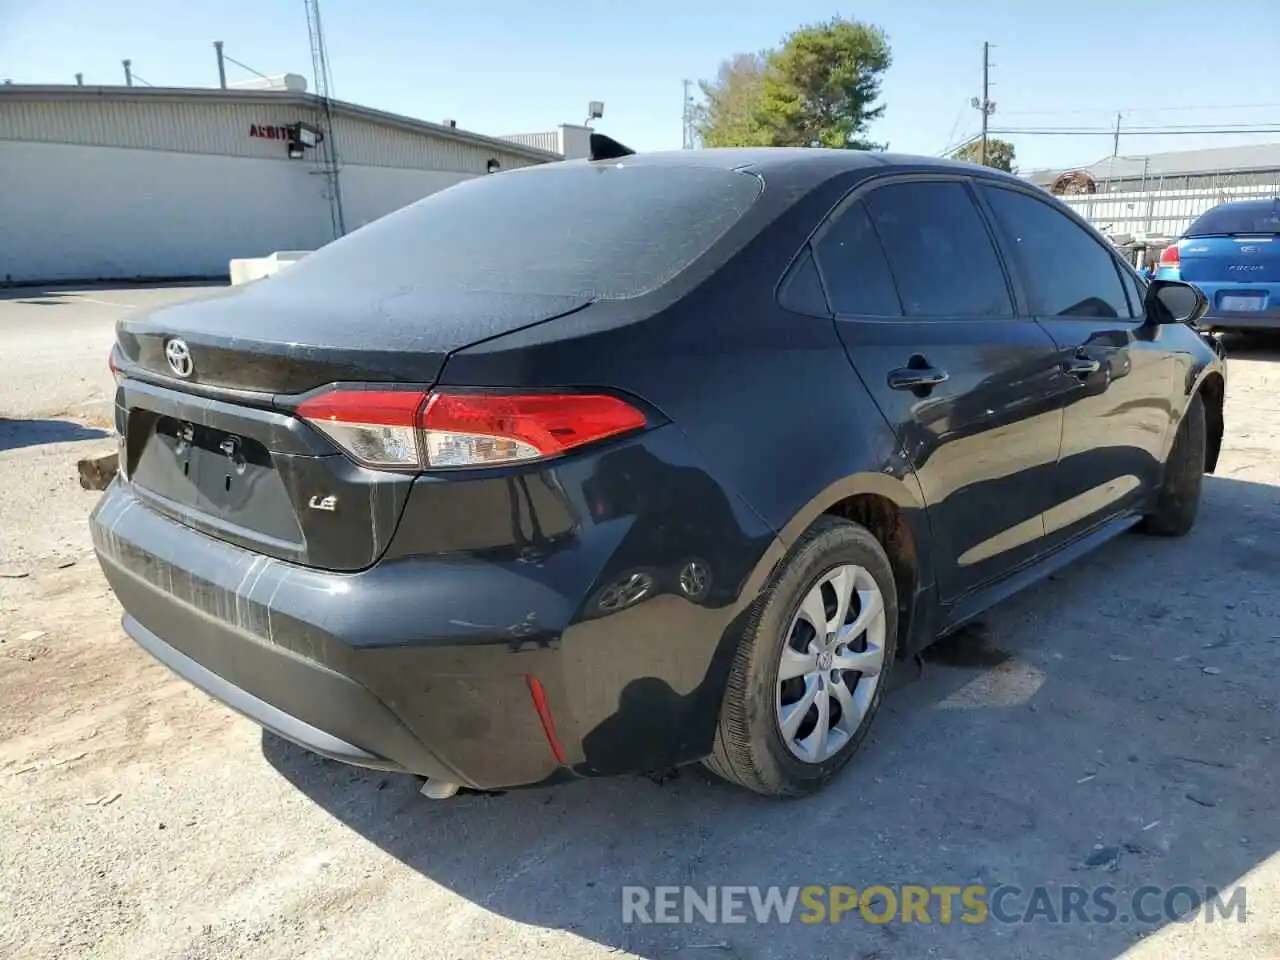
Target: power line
x=1184, y=108
x=1144, y=131
x=959, y=145
x=1220, y=127
x=954, y=127
x=244, y=66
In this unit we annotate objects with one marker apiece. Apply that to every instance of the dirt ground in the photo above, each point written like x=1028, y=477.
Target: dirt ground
x=1116, y=725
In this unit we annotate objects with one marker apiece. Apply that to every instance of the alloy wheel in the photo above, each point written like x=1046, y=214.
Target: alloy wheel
x=832, y=662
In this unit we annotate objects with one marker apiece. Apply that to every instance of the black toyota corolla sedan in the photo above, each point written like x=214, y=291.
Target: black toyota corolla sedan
x=608, y=466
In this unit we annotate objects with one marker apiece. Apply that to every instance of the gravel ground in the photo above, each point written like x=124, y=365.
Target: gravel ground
x=1114, y=725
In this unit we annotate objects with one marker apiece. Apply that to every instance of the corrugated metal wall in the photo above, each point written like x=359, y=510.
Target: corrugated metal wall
x=112, y=189
x=87, y=213
x=374, y=145
x=1190, y=181
x=549, y=141
x=1163, y=212
x=223, y=129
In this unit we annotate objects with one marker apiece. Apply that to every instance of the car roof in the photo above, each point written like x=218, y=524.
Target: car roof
x=801, y=165
x=1260, y=203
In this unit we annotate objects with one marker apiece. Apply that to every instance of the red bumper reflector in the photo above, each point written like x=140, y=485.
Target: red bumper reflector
x=544, y=714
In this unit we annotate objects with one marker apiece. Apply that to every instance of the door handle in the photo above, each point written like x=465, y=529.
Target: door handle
x=915, y=378
x=1081, y=366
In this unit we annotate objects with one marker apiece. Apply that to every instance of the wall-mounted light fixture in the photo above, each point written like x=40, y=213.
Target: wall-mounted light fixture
x=302, y=137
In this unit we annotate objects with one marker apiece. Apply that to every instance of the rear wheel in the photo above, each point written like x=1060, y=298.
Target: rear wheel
x=1178, y=501
x=810, y=670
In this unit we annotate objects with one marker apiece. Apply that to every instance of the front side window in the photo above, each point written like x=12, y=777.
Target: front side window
x=942, y=258
x=1066, y=271
x=1137, y=293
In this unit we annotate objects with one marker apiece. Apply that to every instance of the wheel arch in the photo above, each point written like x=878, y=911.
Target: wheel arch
x=891, y=508
x=1212, y=389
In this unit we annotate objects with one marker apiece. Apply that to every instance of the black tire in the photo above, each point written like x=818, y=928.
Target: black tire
x=1178, y=500
x=749, y=748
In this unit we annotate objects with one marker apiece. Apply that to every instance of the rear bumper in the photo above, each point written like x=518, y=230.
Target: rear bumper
x=338, y=696
x=423, y=662
x=1220, y=317
x=1239, y=321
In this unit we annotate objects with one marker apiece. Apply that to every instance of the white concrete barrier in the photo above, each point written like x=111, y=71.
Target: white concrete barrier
x=248, y=269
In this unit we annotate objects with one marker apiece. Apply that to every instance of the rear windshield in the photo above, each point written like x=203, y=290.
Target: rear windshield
x=600, y=231
x=1238, y=218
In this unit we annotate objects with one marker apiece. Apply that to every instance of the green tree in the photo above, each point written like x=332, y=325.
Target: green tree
x=1000, y=154
x=727, y=115
x=820, y=87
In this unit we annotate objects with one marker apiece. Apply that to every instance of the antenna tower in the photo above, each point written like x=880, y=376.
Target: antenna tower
x=690, y=115
x=326, y=149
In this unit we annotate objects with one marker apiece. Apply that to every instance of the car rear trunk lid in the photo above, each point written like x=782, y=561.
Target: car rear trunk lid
x=1230, y=259
x=288, y=334
x=218, y=449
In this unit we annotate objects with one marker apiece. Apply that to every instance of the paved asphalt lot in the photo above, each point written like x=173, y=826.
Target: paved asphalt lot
x=1114, y=726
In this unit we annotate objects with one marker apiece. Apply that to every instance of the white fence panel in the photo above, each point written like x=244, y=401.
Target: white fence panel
x=1162, y=212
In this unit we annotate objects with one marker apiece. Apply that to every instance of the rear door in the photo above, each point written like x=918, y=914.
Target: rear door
x=928, y=318
x=1115, y=371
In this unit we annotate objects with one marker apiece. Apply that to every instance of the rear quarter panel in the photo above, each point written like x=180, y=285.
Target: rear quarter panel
x=769, y=397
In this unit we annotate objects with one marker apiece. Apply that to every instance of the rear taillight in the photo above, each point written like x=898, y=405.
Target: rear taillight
x=1170, y=257
x=463, y=430
x=376, y=427
x=410, y=430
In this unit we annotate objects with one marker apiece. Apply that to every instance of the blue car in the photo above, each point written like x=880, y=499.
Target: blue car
x=1232, y=253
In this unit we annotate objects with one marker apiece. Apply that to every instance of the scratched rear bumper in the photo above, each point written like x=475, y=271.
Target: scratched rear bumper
x=339, y=663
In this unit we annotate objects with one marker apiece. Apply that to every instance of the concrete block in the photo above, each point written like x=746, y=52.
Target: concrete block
x=97, y=472
x=248, y=269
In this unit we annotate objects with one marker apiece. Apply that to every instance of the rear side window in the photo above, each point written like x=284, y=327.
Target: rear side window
x=802, y=289
x=1066, y=271
x=1238, y=218
x=602, y=231
x=939, y=251
x=854, y=267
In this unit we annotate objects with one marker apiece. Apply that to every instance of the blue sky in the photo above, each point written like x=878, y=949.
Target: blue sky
x=506, y=67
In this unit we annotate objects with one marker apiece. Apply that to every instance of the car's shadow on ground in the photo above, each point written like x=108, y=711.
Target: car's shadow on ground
x=1251, y=347
x=1075, y=739
x=68, y=294
x=15, y=434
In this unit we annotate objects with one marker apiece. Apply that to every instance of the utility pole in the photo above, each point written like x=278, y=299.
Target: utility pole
x=986, y=97
x=984, y=105
x=128, y=72
x=222, y=66
x=688, y=143
x=1115, y=143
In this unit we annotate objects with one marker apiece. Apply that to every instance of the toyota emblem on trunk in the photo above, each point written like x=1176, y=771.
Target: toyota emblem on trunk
x=178, y=354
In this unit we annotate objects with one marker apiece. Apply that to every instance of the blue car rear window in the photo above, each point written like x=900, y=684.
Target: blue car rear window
x=1238, y=218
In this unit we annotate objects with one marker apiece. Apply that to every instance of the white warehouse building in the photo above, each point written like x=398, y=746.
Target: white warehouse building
x=141, y=182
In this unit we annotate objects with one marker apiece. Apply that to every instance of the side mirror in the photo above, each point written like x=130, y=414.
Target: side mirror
x=1172, y=301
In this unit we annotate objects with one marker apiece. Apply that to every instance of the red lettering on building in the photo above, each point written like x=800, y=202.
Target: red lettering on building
x=268, y=131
